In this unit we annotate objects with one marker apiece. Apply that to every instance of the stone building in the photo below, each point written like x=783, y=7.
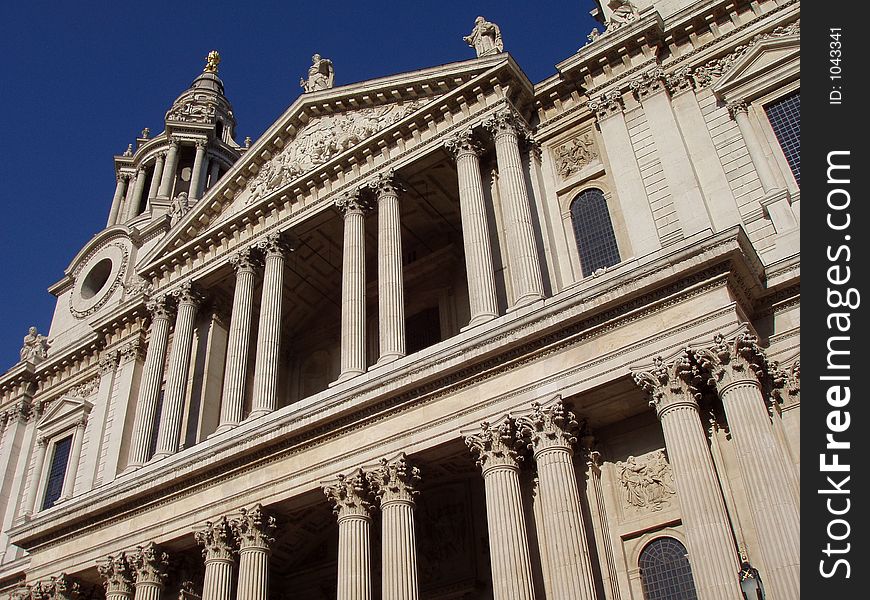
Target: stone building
x=442, y=334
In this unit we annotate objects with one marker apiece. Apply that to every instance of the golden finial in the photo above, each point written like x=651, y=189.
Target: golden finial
x=211, y=62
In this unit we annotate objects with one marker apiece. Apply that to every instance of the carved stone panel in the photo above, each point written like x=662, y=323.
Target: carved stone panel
x=647, y=483
x=575, y=154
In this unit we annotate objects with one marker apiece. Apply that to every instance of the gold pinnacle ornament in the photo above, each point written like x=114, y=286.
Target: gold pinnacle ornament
x=211, y=62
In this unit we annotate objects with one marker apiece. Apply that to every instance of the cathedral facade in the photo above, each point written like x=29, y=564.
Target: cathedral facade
x=446, y=334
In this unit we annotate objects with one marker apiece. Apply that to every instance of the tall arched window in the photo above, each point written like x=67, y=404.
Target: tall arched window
x=593, y=231
x=665, y=571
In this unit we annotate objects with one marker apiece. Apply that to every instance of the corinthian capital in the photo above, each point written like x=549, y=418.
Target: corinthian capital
x=505, y=122
x=350, y=495
x=680, y=81
x=217, y=540
x=150, y=564
x=159, y=307
x=244, y=260
x=463, y=143
x=274, y=244
x=651, y=82
x=737, y=359
x=735, y=108
x=395, y=481
x=188, y=293
x=385, y=184
x=253, y=528
x=671, y=384
x=553, y=426
x=352, y=203
x=117, y=574
x=61, y=587
x=607, y=104
x=495, y=446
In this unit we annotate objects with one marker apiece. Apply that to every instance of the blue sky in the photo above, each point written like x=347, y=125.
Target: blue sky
x=81, y=79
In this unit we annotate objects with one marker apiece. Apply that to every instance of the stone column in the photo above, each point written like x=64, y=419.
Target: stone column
x=36, y=476
x=150, y=571
x=351, y=497
x=353, y=286
x=709, y=539
x=551, y=432
x=475, y=231
x=136, y=198
x=214, y=168
x=236, y=369
x=149, y=386
x=395, y=483
x=736, y=367
x=253, y=531
x=120, y=191
x=75, y=457
x=218, y=550
x=525, y=266
x=689, y=201
x=168, y=176
x=739, y=111
x=509, y=556
x=156, y=176
x=269, y=333
x=169, y=435
x=197, y=177
x=627, y=179
x=118, y=577
x=391, y=296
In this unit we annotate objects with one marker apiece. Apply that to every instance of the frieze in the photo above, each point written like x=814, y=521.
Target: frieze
x=647, y=482
x=320, y=140
x=574, y=155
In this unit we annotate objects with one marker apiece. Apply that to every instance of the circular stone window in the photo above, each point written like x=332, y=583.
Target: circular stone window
x=97, y=279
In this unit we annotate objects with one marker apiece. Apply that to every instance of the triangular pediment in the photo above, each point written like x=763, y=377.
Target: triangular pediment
x=767, y=62
x=323, y=132
x=62, y=414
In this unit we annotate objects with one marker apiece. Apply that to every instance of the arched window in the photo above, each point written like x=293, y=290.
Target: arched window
x=593, y=231
x=665, y=571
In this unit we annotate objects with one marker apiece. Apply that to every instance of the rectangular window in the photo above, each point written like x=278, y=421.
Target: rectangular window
x=785, y=118
x=57, y=472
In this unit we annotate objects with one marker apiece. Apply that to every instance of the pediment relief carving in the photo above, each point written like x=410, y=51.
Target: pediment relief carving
x=321, y=139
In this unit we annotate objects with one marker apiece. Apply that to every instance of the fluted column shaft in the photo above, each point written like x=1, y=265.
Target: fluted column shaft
x=254, y=534
x=136, y=197
x=735, y=366
x=505, y=519
x=265, y=398
x=708, y=535
x=157, y=175
x=218, y=547
x=149, y=388
x=150, y=566
x=169, y=436
x=120, y=191
x=391, y=296
x=168, y=176
x=351, y=499
x=475, y=232
x=525, y=267
x=197, y=177
x=236, y=369
x=353, y=288
x=740, y=113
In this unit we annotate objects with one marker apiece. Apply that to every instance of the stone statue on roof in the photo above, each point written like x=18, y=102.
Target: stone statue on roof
x=35, y=347
x=485, y=38
x=321, y=75
x=623, y=13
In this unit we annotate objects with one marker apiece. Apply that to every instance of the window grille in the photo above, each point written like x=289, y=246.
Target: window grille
x=593, y=231
x=785, y=118
x=56, y=472
x=665, y=571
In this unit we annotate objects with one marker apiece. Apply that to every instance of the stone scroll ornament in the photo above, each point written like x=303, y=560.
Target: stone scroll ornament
x=320, y=140
x=647, y=482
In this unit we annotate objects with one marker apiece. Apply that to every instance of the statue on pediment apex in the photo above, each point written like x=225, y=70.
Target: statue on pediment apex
x=485, y=38
x=321, y=75
x=35, y=347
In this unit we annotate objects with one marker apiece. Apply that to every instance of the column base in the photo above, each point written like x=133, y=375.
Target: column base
x=158, y=455
x=129, y=469
x=221, y=429
x=388, y=358
x=478, y=320
x=256, y=414
x=525, y=301
x=345, y=376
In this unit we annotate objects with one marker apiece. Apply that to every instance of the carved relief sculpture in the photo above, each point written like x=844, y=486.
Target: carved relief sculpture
x=179, y=207
x=321, y=75
x=624, y=12
x=647, y=482
x=485, y=38
x=572, y=156
x=35, y=347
